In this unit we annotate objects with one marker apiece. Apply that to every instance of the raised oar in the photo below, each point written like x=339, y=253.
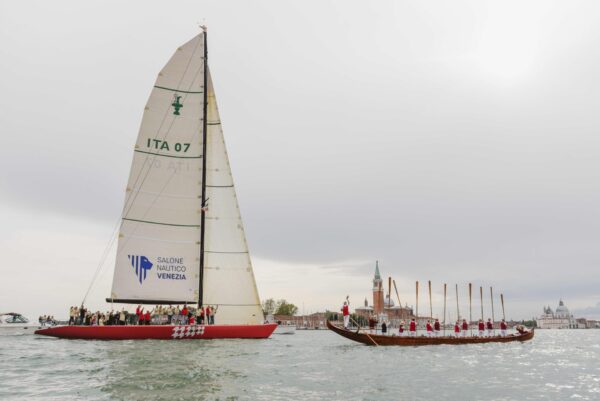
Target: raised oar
x=396, y=289
x=457, y=310
x=481, y=298
x=470, y=311
x=444, y=309
x=417, y=303
x=502, y=301
x=389, y=292
x=430, y=305
x=493, y=319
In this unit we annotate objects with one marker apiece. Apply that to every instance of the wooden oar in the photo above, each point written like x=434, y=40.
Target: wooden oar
x=470, y=311
x=389, y=293
x=444, y=309
x=417, y=303
x=358, y=325
x=481, y=298
x=502, y=301
x=457, y=310
x=492, y=299
x=396, y=289
x=430, y=305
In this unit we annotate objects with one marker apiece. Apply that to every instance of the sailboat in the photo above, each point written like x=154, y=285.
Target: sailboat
x=181, y=238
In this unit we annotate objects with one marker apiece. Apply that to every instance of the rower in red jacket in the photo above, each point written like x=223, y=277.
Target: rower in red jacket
x=503, y=328
x=429, y=329
x=481, y=328
x=436, y=327
x=456, y=329
x=413, y=328
x=401, y=328
x=490, y=328
x=465, y=327
x=147, y=318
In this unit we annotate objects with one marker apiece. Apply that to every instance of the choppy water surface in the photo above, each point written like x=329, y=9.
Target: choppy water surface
x=309, y=365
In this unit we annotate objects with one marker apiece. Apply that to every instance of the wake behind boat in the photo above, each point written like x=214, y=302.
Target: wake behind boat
x=181, y=238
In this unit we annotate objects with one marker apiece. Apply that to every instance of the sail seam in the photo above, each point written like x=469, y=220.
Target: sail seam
x=160, y=154
x=162, y=224
x=176, y=90
x=217, y=123
x=219, y=186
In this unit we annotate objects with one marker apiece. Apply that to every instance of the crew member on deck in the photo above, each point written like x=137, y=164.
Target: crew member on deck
x=147, y=318
x=436, y=327
x=383, y=328
x=401, y=328
x=503, y=328
x=346, y=314
x=465, y=327
x=456, y=329
x=490, y=328
x=413, y=328
x=481, y=328
x=429, y=329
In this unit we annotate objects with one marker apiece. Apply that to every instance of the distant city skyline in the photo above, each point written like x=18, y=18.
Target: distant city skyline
x=454, y=143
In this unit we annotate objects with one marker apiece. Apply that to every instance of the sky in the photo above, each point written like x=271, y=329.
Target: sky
x=452, y=142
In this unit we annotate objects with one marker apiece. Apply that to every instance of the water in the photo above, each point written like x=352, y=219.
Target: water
x=309, y=365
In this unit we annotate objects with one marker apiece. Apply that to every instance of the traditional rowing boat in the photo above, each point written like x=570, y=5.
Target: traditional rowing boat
x=378, y=339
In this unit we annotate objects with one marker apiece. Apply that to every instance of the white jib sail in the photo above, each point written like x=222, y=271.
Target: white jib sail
x=228, y=276
x=159, y=240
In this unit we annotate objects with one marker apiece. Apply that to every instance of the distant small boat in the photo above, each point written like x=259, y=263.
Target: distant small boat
x=15, y=323
x=284, y=329
x=378, y=339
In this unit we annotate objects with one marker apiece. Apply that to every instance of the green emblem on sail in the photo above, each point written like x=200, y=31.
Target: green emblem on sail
x=176, y=105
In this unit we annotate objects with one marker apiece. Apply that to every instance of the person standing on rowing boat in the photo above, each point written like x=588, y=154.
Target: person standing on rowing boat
x=346, y=314
x=436, y=327
x=401, y=328
x=465, y=327
x=413, y=328
x=503, y=328
x=481, y=328
x=456, y=329
x=490, y=328
x=429, y=329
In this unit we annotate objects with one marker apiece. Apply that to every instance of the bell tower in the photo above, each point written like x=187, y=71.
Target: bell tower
x=377, y=291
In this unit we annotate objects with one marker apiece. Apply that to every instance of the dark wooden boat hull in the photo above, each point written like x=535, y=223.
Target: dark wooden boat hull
x=378, y=339
x=163, y=332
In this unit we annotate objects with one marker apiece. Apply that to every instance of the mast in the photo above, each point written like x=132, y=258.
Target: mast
x=203, y=206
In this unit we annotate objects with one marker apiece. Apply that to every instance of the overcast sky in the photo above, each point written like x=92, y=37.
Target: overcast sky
x=452, y=141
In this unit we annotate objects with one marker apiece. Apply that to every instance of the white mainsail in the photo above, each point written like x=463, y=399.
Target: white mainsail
x=158, y=254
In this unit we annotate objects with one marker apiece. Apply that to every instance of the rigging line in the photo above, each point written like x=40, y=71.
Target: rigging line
x=103, y=258
x=117, y=225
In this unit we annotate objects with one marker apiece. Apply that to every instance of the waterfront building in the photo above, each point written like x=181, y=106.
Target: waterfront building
x=383, y=307
x=559, y=319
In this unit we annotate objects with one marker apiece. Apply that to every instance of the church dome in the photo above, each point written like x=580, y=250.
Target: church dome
x=562, y=310
x=388, y=303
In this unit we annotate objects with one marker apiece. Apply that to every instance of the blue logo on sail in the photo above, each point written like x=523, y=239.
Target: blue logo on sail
x=141, y=264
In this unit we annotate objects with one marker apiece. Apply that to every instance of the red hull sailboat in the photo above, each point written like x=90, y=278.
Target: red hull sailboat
x=181, y=239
